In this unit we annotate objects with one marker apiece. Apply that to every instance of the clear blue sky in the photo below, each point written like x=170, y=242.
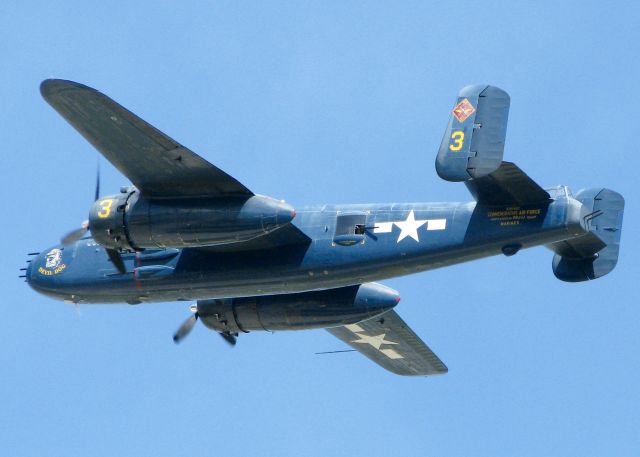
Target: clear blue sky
x=325, y=101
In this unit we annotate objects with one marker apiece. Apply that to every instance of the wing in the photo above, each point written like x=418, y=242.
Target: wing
x=157, y=165
x=389, y=342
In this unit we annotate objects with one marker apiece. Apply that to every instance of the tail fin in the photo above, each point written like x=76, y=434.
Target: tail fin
x=595, y=254
x=473, y=144
x=473, y=147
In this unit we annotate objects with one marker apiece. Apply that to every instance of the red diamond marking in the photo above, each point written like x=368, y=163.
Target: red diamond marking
x=463, y=110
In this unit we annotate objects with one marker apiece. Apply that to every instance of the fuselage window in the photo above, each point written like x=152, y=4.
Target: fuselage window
x=350, y=229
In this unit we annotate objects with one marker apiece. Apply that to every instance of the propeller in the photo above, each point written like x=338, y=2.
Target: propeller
x=116, y=259
x=229, y=338
x=75, y=235
x=97, y=193
x=188, y=325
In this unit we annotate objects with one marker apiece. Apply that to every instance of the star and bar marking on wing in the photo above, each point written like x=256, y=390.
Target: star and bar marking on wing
x=376, y=341
x=410, y=226
x=463, y=110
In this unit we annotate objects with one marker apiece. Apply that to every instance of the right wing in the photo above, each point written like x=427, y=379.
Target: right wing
x=156, y=164
x=389, y=342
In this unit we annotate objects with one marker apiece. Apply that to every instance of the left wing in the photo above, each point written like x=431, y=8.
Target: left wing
x=156, y=164
x=389, y=342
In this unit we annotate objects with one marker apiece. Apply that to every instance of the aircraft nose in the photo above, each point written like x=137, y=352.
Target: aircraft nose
x=28, y=272
x=43, y=270
x=25, y=272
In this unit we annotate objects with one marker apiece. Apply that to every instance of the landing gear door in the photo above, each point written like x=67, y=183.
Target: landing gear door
x=350, y=228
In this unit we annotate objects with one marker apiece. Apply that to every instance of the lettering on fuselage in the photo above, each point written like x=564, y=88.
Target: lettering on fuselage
x=45, y=272
x=514, y=215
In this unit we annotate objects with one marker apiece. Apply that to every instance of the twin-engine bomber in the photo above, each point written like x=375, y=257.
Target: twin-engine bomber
x=187, y=231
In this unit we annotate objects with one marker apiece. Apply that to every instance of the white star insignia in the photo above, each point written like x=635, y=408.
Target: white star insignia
x=375, y=341
x=410, y=227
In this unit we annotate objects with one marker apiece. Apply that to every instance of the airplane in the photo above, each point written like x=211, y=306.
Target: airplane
x=187, y=231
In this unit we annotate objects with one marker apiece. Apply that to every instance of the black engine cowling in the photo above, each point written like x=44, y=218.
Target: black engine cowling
x=300, y=311
x=130, y=221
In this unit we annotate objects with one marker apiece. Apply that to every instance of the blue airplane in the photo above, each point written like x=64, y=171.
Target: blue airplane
x=187, y=231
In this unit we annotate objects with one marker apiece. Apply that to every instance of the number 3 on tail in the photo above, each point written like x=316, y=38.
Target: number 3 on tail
x=458, y=140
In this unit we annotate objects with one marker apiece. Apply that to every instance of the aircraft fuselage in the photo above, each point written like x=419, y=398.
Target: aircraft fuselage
x=344, y=245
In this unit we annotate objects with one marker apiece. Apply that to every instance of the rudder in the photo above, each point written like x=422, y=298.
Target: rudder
x=595, y=254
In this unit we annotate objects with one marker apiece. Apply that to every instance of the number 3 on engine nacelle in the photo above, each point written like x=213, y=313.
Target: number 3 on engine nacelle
x=105, y=208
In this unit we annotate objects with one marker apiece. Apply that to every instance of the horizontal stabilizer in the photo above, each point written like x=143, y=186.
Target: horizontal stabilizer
x=594, y=254
x=505, y=186
x=389, y=342
x=473, y=144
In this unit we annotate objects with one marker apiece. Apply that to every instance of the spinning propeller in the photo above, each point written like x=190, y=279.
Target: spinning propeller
x=187, y=326
x=75, y=235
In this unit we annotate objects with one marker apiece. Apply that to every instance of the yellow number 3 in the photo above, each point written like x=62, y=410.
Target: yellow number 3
x=458, y=140
x=105, y=208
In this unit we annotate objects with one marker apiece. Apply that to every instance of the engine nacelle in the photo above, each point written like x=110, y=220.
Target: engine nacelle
x=306, y=310
x=130, y=221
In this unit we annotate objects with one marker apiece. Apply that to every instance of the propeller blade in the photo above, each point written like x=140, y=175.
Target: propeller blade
x=116, y=259
x=76, y=234
x=229, y=338
x=97, y=195
x=185, y=328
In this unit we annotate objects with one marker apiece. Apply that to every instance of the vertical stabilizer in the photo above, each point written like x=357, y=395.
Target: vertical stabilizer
x=473, y=144
x=595, y=254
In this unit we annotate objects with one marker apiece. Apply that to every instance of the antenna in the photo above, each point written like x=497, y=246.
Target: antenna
x=335, y=352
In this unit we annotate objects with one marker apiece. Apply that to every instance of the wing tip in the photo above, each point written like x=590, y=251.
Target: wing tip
x=49, y=88
x=433, y=369
x=442, y=370
x=425, y=373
